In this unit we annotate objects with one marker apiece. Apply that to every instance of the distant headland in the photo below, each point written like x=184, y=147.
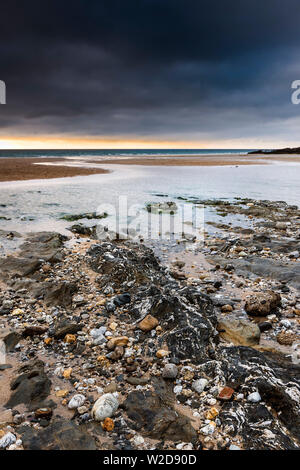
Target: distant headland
x=285, y=151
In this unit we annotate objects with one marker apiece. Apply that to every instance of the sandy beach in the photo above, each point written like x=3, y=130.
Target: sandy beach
x=21, y=169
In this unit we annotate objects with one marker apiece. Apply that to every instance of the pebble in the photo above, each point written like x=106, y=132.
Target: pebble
x=208, y=429
x=254, y=397
x=76, y=402
x=234, y=447
x=199, y=385
x=170, y=371
x=177, y=389
x=7, y=440
x=138, y=440
x=105, y=407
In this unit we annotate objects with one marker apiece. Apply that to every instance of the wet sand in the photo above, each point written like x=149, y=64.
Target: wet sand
x=21, y=169
x=201, y=160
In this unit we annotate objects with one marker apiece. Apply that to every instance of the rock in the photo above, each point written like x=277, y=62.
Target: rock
x=262, y=304
x=78, y=300
x=108, y=425
x=161, y=353
x=76, y=401
x=34, y=331
x=178, y=275
x=10, y=339
x=226, y=308
x=70, y=339
x=105, y=407
x=162, y=207
x=111, y=388
x=170, y=371
x=119, y=341
x=150, y=416
x=64, y=327
x=117, y=354
x=138, y=440
x=37, y=248
x=212, y=414
x=31, y=387
x=294, y=254
x=265, y=326
x=286, y=338
x=43, y=413
x=98, y=335
x=7, y=440
x=148, y=323
x=59, y=435
x=226, y=394
x=122, y=299
x=199, y=385
x=6, y=417
x=86, y=215
x=137, y=380
x=208, y=429
x=82, y=229
x=58, y=293
x=254, y=397
x=281, y=225
x=239, y=331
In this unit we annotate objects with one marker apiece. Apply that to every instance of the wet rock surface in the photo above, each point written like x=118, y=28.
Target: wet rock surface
x=107, y=350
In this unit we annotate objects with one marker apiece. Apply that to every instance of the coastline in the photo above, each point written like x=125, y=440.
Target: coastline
x=22, y=169
x=32, y=168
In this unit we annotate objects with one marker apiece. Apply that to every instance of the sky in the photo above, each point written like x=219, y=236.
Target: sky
x=149, y=73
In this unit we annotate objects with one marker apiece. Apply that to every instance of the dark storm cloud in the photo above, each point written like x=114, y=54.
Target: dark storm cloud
x=160, y=68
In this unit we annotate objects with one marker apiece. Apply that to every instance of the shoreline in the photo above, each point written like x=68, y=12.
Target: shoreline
x=32, y=168
x=22, y=169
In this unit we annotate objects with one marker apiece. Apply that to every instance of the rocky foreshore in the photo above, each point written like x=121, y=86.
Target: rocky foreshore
x=113, y=345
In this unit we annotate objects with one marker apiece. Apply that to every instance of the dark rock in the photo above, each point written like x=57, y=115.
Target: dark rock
x=81, y=229
x=37, y=248
x=64, y=327
x=56, y=293
x=265, y=326
x=31, y=387
x=122, y=299
x=5, y=366
x=59, y=435
x=34, y=331
x=10, y=339
x=150, y=416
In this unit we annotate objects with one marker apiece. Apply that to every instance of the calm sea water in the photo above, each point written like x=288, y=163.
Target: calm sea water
x=38, y=205
x=118, y=152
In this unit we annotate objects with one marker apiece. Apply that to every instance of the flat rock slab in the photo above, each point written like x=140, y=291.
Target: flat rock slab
x=59, y=435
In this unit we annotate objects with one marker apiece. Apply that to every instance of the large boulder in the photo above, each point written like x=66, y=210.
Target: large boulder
x=239, y=331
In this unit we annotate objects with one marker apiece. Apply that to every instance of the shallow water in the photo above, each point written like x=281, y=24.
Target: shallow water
x=38, y=205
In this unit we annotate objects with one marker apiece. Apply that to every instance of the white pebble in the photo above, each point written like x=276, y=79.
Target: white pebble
x=7, y=440
x=76, y=402
x=105, y=407
x=254, y=397
x=199, y=385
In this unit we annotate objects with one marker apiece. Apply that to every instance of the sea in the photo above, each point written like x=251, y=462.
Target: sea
x=40, y=205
